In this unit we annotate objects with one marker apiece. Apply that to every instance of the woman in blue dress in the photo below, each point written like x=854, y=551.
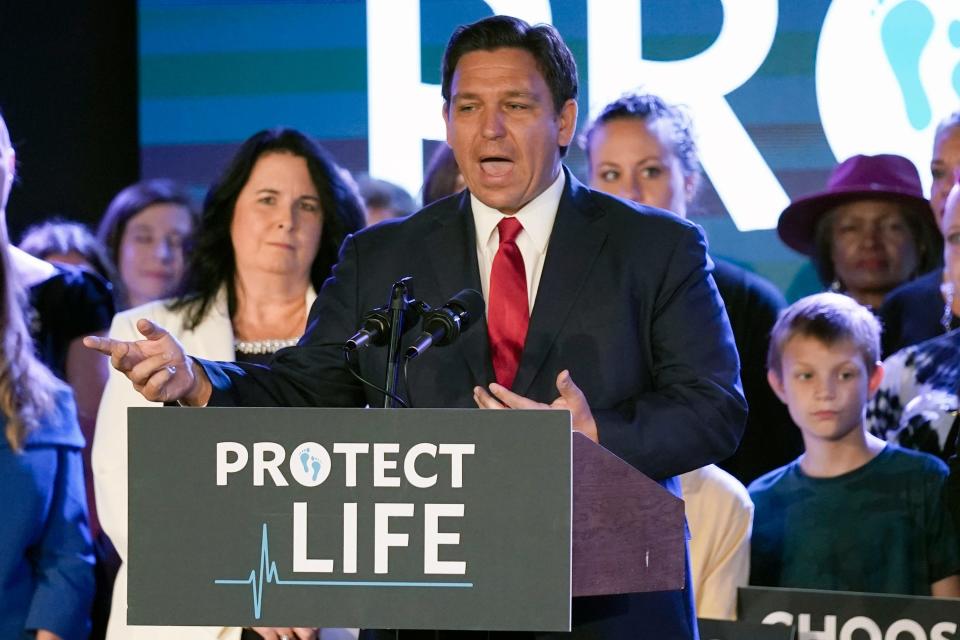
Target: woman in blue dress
x=46, y=558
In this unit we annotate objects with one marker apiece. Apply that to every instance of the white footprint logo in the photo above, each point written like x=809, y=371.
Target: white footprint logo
x=310, y=464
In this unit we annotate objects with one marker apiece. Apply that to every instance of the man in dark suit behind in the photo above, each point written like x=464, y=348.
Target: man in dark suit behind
x=614, y=296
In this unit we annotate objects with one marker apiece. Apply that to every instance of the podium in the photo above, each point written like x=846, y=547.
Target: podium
x=421, y=518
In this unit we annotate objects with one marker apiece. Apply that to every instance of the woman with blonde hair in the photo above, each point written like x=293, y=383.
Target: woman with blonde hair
x=46, y=558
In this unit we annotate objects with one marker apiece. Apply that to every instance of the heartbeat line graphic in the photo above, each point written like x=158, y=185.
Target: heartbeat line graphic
x=267, y=572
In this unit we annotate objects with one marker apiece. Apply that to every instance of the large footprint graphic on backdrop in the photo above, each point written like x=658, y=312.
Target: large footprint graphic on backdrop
x=954, y=33
x=905, y=33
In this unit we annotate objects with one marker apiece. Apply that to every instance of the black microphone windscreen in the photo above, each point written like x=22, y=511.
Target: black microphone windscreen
x=471, y=302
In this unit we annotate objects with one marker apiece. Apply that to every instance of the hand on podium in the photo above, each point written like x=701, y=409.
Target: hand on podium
x=571, y=398
x=158, y=366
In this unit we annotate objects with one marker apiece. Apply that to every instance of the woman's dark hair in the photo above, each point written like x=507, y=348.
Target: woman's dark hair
x=440, y=178
x=542, y=41
x=128, y=203
x=212, y=263
x=59, y=236
x=927, y=242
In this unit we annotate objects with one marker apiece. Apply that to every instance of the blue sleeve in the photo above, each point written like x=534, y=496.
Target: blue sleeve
x=63, y=557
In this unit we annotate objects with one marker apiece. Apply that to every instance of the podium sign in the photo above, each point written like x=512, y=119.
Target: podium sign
x=430, y=518
x=735, y=630
x=837, y=615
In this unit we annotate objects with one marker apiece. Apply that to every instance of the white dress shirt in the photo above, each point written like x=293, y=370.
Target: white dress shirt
x=536, y=217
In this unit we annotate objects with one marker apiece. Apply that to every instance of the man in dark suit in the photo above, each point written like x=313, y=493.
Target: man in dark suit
x=579, y=286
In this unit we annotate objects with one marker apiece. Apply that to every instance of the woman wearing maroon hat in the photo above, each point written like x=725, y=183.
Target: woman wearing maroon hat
x=869, y=231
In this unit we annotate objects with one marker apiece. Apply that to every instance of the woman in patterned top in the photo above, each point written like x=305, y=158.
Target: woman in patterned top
x=917, y=402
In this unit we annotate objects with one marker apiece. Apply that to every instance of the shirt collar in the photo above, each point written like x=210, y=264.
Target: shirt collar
x=537, y=216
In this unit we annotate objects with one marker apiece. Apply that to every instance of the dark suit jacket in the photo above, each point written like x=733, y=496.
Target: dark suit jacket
x=625, y=302
x=911, y=313
x=770, y=440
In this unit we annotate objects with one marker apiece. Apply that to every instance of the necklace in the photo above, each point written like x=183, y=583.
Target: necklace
x=946, y=320
x=263, y=346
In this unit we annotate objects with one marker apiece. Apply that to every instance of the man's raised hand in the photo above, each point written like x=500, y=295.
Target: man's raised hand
x=158, y=366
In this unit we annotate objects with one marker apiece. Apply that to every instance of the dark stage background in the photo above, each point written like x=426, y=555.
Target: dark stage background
x=68, y=90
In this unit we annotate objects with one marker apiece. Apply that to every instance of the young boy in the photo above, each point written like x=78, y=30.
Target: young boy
x=852, y=513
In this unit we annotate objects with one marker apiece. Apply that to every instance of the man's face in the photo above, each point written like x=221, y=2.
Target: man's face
x=503, y=128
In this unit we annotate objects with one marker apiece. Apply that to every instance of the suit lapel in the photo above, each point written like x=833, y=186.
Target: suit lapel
x=452, y=251
x=574, y=245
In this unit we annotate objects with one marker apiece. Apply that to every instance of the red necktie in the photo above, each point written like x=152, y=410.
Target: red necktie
x=508, y=311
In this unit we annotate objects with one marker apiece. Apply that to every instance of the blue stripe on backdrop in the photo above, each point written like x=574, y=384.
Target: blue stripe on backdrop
x=233, y=118
x=198, y=164
x=803, y=16
x=188, y=27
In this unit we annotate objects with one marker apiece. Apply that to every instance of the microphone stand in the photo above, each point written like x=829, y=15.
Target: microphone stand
x=399, y=304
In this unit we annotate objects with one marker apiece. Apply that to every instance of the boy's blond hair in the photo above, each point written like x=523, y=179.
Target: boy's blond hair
x=830, y=318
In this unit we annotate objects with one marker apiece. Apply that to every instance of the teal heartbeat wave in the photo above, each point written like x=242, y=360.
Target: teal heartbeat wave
x=268, y=571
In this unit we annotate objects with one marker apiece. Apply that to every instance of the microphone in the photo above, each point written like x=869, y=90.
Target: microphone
x=375, y=330
x=444, y=325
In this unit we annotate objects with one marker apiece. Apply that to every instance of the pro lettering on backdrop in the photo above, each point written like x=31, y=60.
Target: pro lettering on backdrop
x=830, y=615
x=349, y=517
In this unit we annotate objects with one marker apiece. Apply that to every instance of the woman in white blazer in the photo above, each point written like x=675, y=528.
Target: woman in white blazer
x=268, y=236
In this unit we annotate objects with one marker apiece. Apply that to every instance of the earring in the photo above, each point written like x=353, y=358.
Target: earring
x=836, y=287
x=946, y=320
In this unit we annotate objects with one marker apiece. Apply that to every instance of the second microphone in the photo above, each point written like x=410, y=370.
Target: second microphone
x=443, y=325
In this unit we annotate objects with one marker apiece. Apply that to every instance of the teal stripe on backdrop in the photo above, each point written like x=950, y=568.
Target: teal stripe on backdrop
x=253, y=73
x=763, y=253
x=766, y=100
x=234, y=118
x=792, y=54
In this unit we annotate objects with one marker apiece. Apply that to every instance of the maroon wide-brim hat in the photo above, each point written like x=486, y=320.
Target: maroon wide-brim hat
x=885, y=176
